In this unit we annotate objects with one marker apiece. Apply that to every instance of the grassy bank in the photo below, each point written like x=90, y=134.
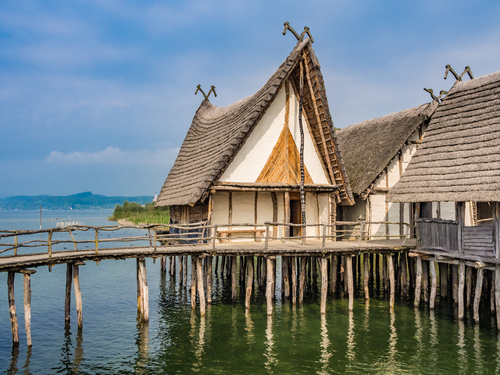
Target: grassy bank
x=149, y=214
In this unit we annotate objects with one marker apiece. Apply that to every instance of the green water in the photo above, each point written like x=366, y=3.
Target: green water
x=230, y=340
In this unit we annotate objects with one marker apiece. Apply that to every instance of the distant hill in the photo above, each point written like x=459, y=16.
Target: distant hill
x=81, y=201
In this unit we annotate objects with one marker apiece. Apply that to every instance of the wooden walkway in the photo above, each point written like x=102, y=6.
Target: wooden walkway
x=289, y=248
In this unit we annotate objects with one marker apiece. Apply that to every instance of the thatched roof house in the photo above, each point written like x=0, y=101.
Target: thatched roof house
x=244, y=157
x=459, y=158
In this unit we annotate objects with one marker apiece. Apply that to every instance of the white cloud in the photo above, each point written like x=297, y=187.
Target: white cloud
x=114, y=156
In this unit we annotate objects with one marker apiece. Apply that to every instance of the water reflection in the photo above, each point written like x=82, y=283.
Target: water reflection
x=249, y=327
x=478, y=351
x=434, y=339
x=79, y=355
x=462, y=352
x=200, y=345
x=26, y=368
x=269, y=353
x=13, y=362
x=351, y=343
x=392, y=362
x=142, y=343
x=418, y=333
x=325, y=344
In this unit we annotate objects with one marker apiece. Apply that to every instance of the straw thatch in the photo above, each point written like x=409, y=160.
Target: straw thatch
x=459, y=158
x=217, y=134
x=369, y=146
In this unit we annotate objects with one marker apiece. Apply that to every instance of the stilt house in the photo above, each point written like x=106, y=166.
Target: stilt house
x=458, y=161
x=376, y=153
x=240, y=163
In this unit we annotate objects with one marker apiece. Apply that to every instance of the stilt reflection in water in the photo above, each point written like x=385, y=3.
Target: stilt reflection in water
x=249, y=328
x=462, y=350
x=418, y=334
x=26, y=368
x=351, y=342
x=13, y=362
x=79, y=354
x=392, y=364
x=142, y=343
x=200, y=345
x=270, y=354
x=325, y=345
x=478, y=351
x=434, y=339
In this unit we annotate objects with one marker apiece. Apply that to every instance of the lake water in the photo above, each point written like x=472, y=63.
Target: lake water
x=228, y=340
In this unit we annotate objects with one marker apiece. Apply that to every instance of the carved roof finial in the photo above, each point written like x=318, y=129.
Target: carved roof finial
x=300, y=37
x=457, y=77
x=434, y=97
x=212, y=89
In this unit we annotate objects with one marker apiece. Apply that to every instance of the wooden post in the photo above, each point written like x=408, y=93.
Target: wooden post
x=201, y=290
x=233, y=278
x=333, y=273
x=468, y=280
x=425, y=280
x=67, y=299
x=181, y=271
x=78, y=293
x=49, y=241
x=138, y=278
x=432, y=266
x=477, y=294
x=418, y=282
x=385, y=274
x=324, y=284
x=454, y=278
x=186, y=272
x=461, y=285
x=248, y=294
x=366, y=275
x=144, y=290
x=294, y=279
x=497, y=293
x=12, y=309
x=193, y=282
x=270, y=285
x=443, y=279
x=302, y=279
x=27, y=304
x=208, y=261
x=284, y=276
x=96, y=241
x=350, y=283
x=496, y=228
x=390, y=269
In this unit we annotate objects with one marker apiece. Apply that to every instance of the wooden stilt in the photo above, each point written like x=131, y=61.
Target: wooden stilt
x=185, y=270
x=138, y=278
x=411, y=271
x=208, y=261
x=248, y=293
x=314, y=270
x=454, y=283
x=233, y=279
x=302, y=279
x=425, y=280
x=193, y=282
x=201, y=289
x=12, y=309
x=492, y=291
x=477, y=294
x=468, y=280
x=242, y=270
x=385, y=274
x=269, y=285
x=324, y=284
x=216, y=265
x=294, y=279
x=181, y=270
x=390, y=270
x=418, y=282
x=333, y=273
x=350, y=282
x=259, y=272
x=461, y=287
x=497, y=293
x=432, y=266
x=366, y=274
x=78, y=294
x=284, y=275
x=443, y=280
x=27, y=304
x=144, y=290
x=222, y=265
x=67, y=299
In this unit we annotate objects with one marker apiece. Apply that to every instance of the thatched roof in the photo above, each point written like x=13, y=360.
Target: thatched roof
x=218, y=133
x=459, y=157
x=369, y=146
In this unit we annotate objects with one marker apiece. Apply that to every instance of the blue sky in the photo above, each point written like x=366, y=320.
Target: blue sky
x=98, y=95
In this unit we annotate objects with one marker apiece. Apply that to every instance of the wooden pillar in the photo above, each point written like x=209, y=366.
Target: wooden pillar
x=27, y=304
x=385, y=274
x=294, y=279
x=432, y=266
x=390, y=270
x=333, y=273
x=461, y=286
x=181, y=270
x=12, y=309
x=67, y=299
x=302, y=279
x=425, y=280
x=366, y=276
x=477, y=294
x=284, y=276
x=497, y=293
x=468, y=281
x=270, y=285
x=201, y=289
x=186, y=272
x=324, y=284
x=443, y=279
x=242, y=270
x=208, y=261
x=193, y=282
x=233, y=278
x=418, y=282
x=78, y=293
x=350, y=282
x=454, y=284
x=248, y=293
x=411, y=271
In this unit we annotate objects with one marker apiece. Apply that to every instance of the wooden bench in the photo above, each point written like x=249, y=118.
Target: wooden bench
x=224, y=234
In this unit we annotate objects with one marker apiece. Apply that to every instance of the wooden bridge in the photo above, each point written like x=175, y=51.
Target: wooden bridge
x=332, y=248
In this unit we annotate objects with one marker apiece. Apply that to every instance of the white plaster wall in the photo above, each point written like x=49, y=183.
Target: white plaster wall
x=221, y=208
x=448, y=210
x=378, y=214
x=381, y=183
x=253, y=155
x=312, y=213
x=243, y=207
x=393, y=216
x=407, y=213
x=407, y=153
x=281, y=212
x=324, y=210
x=264, y=208
x=393, y=171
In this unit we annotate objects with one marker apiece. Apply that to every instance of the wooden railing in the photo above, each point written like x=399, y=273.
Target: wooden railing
x=157, y=235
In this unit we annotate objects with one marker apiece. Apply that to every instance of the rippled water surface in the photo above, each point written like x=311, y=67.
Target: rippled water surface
x=228, y=340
